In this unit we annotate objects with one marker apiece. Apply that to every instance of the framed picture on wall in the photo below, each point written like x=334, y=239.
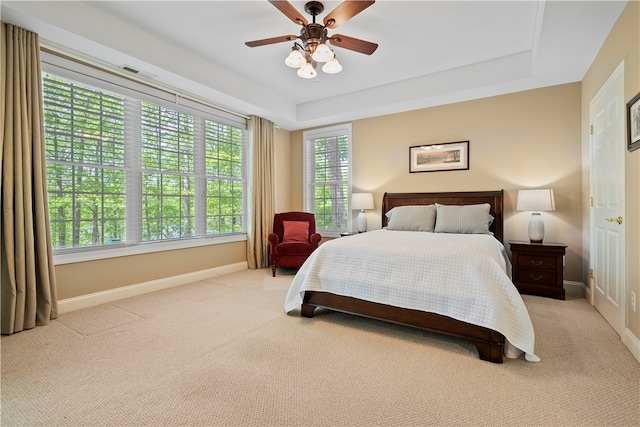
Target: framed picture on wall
x=633, y=123
x=447, y=156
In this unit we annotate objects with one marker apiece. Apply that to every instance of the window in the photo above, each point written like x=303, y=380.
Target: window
x=127, y=170
x=327, y=173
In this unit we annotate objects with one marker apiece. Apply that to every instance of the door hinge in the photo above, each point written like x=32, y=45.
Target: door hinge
x=591, y=129
x=591, y=273
x=591, y=201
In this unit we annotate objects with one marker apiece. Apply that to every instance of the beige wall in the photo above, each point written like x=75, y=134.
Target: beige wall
x=87, y=277
x=623, y=43
x=521, y=140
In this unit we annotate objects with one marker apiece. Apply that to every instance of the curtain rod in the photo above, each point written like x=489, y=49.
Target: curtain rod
x=49, y=48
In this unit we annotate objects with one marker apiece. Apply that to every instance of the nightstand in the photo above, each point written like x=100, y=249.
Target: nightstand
x=538, y=268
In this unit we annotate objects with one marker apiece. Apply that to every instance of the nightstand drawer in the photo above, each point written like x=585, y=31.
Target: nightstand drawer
x=536, y=277
x=538, y=262
x=538, y=268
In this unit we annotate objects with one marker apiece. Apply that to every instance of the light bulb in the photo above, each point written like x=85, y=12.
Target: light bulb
x=322, y=53
x=295, y=59
x=307, y=71
x=332, y=67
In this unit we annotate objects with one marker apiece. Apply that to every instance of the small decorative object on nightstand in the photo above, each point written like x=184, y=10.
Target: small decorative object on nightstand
x=347, y=233
x=538, y=268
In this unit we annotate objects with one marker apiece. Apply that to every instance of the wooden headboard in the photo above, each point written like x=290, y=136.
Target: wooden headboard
x=494, y=198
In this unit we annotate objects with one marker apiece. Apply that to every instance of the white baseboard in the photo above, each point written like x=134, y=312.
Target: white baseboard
x=578, y=286
x=103, y=297
x=632, y=343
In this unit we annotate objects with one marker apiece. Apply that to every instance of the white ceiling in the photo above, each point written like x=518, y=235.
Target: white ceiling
x=430, y=52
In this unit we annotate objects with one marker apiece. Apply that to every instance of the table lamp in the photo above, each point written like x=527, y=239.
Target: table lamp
x=536, y=201
x=362, y=201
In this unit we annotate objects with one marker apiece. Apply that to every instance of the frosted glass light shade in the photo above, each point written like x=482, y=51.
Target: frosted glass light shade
x=332, y=67
x=295, y=59
x=307, y=71
x=322, y=53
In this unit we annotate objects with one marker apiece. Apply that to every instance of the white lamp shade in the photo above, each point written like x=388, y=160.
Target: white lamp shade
x=322, y=53
x=307, y=71
x=332, y=67
x=295, y=59
x=536, y=200
x=361, y=201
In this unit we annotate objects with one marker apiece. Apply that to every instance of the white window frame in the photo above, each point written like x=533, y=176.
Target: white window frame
x=88, y=75
x=308, y=190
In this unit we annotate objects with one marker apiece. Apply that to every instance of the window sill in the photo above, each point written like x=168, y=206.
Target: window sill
x=146, y=248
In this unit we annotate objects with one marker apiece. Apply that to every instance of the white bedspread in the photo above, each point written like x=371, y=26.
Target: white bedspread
x=463, y=276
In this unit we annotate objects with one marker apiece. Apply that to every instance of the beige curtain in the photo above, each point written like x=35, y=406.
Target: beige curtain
x=261, y=194
x=28, y=281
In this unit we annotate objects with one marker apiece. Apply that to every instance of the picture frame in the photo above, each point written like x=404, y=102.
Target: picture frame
x=448, y=156
x=633, y=123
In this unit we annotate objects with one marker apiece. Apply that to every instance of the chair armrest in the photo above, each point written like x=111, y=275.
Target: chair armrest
x=273, y=239
x=315, y=239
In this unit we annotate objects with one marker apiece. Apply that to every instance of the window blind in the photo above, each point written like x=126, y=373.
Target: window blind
x=126, y=167
x=328, y=177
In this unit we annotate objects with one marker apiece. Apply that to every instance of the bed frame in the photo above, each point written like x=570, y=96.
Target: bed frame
x=490, y=344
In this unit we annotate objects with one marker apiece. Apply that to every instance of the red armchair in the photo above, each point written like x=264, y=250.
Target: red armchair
x=294, y=238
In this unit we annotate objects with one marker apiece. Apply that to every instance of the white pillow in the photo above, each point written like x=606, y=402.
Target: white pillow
x=412, y=218
x=464, y=219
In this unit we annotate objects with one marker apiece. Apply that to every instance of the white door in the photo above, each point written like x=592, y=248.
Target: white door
x=607, y=113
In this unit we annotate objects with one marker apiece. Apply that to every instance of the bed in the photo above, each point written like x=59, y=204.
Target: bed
x=419, y=279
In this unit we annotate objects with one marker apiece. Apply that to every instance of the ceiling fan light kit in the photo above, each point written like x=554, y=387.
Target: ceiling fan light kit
x=314, y=50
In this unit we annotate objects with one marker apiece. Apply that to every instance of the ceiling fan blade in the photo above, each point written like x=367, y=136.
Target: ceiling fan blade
x=272, y=40
x=345, y=11
x=351, y=43
x=290, y=11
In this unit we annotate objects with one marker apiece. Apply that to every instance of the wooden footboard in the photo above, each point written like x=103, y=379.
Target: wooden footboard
x=490, y=344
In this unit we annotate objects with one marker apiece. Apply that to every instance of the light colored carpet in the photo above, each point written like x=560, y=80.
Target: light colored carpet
x=222, y=352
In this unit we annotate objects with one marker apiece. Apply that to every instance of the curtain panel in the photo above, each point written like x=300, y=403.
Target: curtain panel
x=261, y=195
x=28, y=286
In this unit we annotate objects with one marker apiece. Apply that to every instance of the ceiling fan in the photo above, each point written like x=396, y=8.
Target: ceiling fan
x=314, y=37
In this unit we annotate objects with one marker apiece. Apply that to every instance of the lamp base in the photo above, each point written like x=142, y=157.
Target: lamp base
x=536, y=228
x=362, y=222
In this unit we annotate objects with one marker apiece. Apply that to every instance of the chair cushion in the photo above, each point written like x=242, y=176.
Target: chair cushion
x=286, y=249
x=295, y=231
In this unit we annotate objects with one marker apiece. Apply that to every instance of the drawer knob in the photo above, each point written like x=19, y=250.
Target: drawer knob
x=535, y=261
x=536, y=278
